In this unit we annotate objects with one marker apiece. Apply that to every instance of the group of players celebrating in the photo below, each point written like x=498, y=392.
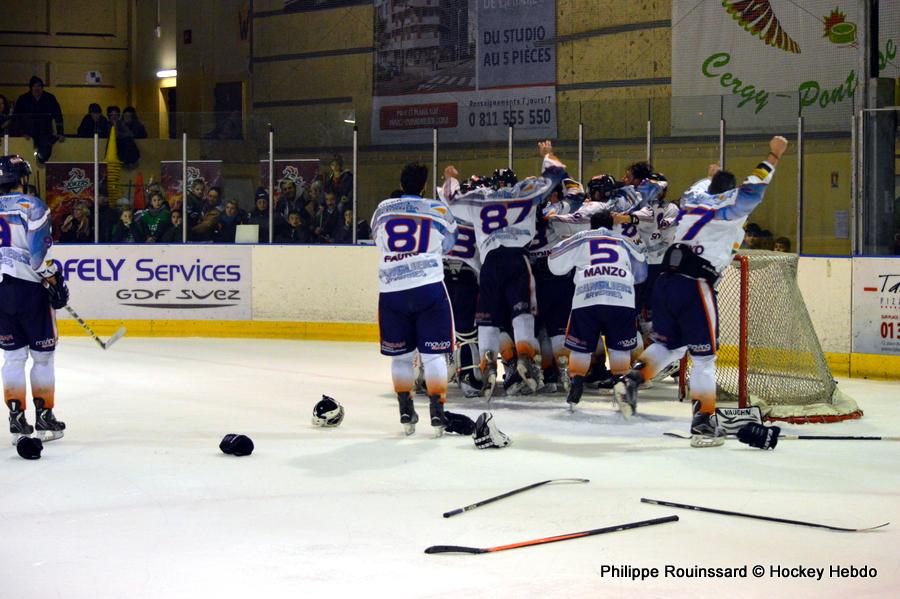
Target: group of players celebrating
x=552, y=279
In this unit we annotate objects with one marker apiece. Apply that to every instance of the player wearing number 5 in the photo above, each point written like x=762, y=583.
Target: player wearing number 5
x=505, y=223
x=685, y=311
x=414, y=313
x=607, y=267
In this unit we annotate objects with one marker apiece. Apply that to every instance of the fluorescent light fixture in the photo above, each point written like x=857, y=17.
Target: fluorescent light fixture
x=350, y=121
x=167, y=73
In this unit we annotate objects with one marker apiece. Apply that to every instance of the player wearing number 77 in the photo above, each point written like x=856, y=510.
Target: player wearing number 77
x=607, y=267
x=414, y=312
x=685, y=312
x=505, y=223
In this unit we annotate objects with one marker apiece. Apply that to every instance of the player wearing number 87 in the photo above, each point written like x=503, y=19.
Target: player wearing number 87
x=414, y=313
x=685, y=313
x=505, y=222
x=607, y=267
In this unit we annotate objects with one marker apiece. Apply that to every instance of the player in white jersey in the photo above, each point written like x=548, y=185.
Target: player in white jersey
x=414, y=313
x=685, y=312
x=607, y=267
x=505, y=222
x=30, y=290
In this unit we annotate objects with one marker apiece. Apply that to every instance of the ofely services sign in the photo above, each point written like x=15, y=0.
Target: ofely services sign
x=167, y=282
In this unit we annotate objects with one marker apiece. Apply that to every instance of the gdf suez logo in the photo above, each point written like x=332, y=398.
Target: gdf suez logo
x=178, y=298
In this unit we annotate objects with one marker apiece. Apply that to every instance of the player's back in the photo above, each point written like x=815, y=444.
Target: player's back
x=607, y=266
x=412, y=234
x=24, y=235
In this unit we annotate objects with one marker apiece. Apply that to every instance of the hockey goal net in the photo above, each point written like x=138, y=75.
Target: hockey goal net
x=769, y=354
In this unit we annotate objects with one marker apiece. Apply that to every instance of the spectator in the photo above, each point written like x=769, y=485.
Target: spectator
x=315, y=192
x=260, y=214
x=206, y=229
x=36, y=112
x=309, y=214
x=765, y=240
x=344, y=233
x=156, y=219
x=94, y=121
x=131, y=121
x=213, y=200
x=5, y=117
x=125, y=145
x=783, y=244
x=194, y=202
x=289, y=199
x=126, y=230
x=296, y=231
x=76, y=228
x=108, y=219
x=339, y=181
x=228, y=222
x=327, y=220
x=113, y=115
x=174, y=233
x=751, y=232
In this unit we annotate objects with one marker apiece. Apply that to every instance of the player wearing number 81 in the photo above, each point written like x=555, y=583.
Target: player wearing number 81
x=685, y=311
x=414, y=313
x=505, y=223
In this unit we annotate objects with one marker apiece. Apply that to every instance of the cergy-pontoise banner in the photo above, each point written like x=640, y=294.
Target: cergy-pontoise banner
x=770, y=60
x=876, y=306
x=470, y=68
x=157, y=282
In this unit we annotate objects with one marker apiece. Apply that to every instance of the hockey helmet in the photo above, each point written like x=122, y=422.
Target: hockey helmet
x=504, y=177
x=605, y=185
x=572, y=189
x=13, y=168
x=327, y=412
x=474, y=182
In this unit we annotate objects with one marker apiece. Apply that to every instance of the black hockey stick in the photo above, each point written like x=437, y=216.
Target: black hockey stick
x=545, y=540
x=461, y=510
x=756, y=517
x=683, y=435
x=103, y=344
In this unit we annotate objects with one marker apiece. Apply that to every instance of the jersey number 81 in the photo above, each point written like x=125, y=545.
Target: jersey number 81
x=408, y=235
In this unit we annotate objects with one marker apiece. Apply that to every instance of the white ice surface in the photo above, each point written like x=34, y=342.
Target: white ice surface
x=137, y=501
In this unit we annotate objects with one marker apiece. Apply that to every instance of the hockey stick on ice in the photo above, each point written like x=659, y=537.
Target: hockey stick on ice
x=103, y=344
x=755, y=516
x=461, y=510
x=544, y=541
x=683, y=435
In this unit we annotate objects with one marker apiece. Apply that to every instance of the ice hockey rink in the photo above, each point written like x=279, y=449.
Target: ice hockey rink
x=137, y=500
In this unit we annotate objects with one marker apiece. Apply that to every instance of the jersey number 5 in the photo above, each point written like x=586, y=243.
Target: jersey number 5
x=408, y=235
x=604, y=255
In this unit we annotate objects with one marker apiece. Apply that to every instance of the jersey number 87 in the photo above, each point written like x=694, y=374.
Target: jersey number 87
x=408, y=235
x=493, y=216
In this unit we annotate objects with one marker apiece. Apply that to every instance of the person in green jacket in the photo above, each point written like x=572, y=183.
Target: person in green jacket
x=156, y=219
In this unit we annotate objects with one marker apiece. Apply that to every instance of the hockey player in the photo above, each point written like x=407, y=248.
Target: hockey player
x=414, y=312
x=607, y=266
x=29, y=288
x=505, y=222
x=685, y=312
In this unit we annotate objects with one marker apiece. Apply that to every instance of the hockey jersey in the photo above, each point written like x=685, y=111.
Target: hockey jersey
x=656, y=229
x=550, y=231
x=607, y=267
x=713, y=225
x=627, y=200
x=24, y=236
x=504, y=217
x=465, y=249
x=413, y=234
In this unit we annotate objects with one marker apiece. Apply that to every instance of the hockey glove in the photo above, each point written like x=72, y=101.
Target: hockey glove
x=459, y=424
x=487, y=434
x=58, y=291
x=239, y=445
x=759, y=436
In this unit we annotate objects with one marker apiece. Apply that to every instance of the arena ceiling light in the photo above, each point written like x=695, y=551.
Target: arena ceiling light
x=164, y=73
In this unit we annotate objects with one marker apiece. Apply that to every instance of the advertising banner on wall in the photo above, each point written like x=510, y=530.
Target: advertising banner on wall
x=470, y=68
x=760, y=63
x=302, y=171
x=876, y=306
x=171, y=172
x=158, y=282
x=69, y=183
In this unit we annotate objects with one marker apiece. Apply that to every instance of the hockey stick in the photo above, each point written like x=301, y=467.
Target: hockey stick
x=461, y=510
x=103, y=344
x=544, y=541
x=755, y=516
x=682, y=435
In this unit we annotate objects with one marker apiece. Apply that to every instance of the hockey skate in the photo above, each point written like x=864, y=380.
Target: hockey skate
x=551, y=382
x=575, y=391
x=489, y=374
x=562, y=365
x=704, y=429
x=599, y=377
x=45, y=423
x=408, y=416
x=512, y=382
x=625, y=392
x=531, y=373
x=438, y=418
x=18, y=425
x=469, y=384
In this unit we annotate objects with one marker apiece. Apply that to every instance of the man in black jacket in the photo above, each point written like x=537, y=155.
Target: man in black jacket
x=35, y=113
